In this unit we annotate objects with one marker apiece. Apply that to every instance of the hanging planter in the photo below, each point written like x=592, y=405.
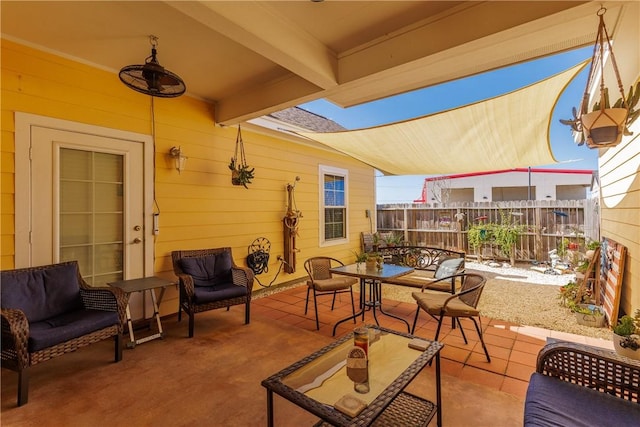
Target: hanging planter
x=604, y=126
x=241, y=173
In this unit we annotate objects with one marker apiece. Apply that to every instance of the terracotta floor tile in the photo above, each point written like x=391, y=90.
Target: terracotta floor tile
x=515, y=387
x=494, y=351
x=519, y=371
x=482, y=377
x=523, y=358
x=500, y=331
x=526, y=347
x=451, y=367
x=499, y=341
x=455, y=354
x=499, y=366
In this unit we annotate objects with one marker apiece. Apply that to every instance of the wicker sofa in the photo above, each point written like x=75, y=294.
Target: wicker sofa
x=50, y=310
x=579, y=385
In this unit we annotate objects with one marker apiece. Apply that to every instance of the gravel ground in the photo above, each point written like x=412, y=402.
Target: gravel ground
x=521, y=296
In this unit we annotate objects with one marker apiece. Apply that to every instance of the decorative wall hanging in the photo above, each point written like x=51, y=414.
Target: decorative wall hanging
x=241, y=173
x=291, y=222
x=604, y=126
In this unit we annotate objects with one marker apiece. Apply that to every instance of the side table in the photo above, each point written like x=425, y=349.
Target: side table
x=142, y=285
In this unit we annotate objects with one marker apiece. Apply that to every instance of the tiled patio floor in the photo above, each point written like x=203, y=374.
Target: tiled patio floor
x=513, y=348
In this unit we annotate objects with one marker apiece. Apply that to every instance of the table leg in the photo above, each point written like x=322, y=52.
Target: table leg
x=363, y=306
x=132, y=338
x=379, y=302
x=156, y=315
x=438, y=396
x=269, y=408
x=156, y=311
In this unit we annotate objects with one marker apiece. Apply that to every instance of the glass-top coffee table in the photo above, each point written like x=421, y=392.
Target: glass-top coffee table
x=318, y=381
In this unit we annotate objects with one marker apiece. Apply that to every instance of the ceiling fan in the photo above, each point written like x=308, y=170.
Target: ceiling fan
x=152, y=78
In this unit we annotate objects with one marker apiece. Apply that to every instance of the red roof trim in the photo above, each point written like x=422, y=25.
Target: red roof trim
x=466, y=175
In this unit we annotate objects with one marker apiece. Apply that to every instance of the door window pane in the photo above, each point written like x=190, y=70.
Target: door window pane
x=91, y=213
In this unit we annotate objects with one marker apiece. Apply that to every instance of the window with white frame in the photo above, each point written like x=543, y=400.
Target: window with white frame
x=333, y=205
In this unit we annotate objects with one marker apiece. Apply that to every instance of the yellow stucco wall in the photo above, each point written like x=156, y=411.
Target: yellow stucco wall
x=199, y=208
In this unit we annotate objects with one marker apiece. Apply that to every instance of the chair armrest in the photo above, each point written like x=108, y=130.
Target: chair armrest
x=591, y=367
x=185, y=283
x=105, y=298
x=459, y=294
x=15, y=334
x=242, y=276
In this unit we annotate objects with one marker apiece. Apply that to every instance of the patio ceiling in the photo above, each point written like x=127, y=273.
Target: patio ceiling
x=505, y=132
x=252, y=58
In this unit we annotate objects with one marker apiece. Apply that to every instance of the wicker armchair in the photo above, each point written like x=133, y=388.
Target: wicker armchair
x=50, y=310
x=209, y=279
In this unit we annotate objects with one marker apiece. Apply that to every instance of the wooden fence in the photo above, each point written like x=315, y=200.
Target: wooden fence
x=546, y=224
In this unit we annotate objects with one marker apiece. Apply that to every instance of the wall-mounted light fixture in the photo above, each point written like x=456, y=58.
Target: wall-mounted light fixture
x=181, y=160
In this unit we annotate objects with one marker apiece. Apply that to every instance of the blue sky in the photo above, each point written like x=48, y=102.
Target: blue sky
x=404, y=189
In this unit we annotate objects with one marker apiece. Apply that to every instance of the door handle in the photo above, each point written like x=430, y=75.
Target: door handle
x=137, y=240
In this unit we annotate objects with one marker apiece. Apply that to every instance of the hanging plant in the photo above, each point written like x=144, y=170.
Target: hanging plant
x=604, y=126
x=241, y=173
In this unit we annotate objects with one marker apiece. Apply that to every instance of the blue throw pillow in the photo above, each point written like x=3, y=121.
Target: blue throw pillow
x=201, y=268
x=209, y=270
x=448, y=267
x=222, y=272
x=42, y=293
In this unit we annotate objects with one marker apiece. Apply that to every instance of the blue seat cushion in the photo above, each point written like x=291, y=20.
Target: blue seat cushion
x=219, y=292
x=209, y=270
x=59, y=329
x=44, y=293
x=553, y=402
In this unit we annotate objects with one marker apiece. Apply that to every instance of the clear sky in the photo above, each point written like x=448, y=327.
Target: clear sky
x=405, y=189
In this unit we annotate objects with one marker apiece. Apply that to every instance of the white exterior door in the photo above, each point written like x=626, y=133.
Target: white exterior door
x=89, y=203
x=82, y=194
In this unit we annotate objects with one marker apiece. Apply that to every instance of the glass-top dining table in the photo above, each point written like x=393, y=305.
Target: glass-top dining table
x=373, y=277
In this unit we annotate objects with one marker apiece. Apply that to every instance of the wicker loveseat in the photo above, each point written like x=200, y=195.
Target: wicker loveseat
x=579, y=385
x=50, y=310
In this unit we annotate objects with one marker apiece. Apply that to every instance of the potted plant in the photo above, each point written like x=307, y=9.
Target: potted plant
x=589, y=315
x=626, y=336
x=506, y=234
x=392, y=239
x=361, y=257
x=241, y=173
x=568, y=294
x=478, y=235
x=604, y=126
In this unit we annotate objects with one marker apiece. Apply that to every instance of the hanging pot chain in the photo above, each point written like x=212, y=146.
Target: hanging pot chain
x=242, y=160
x=597, y=60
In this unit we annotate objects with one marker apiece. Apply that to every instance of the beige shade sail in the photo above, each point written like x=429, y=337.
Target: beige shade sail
x=505, y=132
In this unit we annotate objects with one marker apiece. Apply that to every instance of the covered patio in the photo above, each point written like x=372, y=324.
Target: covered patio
x=214, y=378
